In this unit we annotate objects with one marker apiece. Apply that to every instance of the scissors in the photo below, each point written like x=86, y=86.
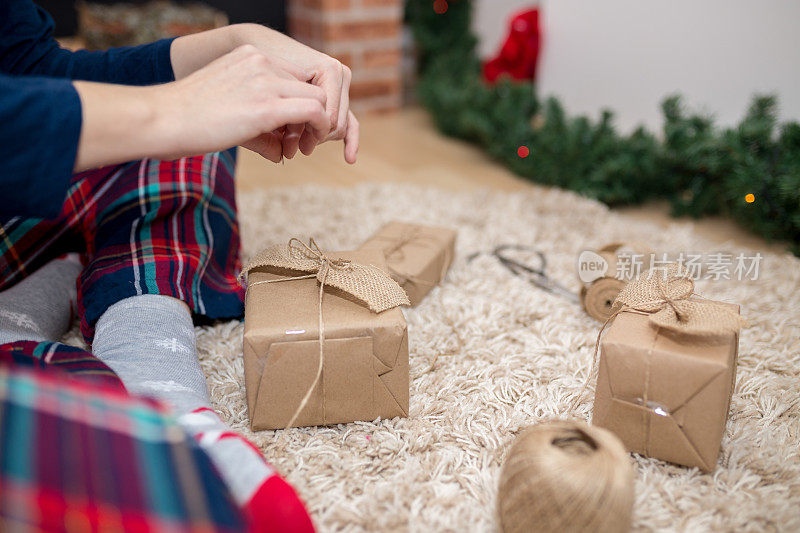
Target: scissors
x=534, y=273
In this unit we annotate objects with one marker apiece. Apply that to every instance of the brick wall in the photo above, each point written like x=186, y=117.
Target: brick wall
x=365, y=35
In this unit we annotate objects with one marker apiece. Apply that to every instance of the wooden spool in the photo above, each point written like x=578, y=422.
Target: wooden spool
x=597, y=297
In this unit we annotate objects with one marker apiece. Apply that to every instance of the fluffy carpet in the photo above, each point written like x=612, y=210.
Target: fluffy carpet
x=491, y=354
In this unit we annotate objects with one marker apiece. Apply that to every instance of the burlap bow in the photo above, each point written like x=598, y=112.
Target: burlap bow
x=665, y=296
x=367, y=283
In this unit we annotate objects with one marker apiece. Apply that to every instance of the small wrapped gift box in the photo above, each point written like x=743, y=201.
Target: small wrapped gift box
x=417, y=256
x=666, y=373
x=364, y=372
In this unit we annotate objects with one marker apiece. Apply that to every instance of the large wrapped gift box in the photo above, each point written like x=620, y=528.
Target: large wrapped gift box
x=666, y=394
x=417, y=256
x=365, y=373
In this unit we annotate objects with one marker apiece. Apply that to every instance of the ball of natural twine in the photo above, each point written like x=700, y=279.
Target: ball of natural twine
x=566, y=476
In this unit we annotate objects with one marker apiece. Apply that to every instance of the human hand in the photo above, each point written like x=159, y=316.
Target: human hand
x=317, y=69
x=243, y=98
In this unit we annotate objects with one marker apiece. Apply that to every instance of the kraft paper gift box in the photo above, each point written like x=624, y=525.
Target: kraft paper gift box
x=666, y=393
x=418, y=256
x=365, y=373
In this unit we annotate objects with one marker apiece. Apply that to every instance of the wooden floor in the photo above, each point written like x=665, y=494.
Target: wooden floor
x=405, y=147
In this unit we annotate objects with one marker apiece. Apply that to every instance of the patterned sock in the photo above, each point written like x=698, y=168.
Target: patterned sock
x=269, y=500
x=149, y=342
x=39, y=308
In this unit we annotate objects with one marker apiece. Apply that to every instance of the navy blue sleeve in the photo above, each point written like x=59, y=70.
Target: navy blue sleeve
x=40, y=111
x=40, y=124
x=27, y=46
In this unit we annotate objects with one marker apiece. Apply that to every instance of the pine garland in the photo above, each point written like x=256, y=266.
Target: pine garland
x=700, y=168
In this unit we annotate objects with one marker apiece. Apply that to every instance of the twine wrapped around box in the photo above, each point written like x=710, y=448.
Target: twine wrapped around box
x=366, y=283
x=417, y=256
x=667, y=367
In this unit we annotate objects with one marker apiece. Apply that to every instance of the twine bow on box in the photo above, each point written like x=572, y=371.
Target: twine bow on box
x=394, y=252
x=367, y=283
x=665, y=295
x=394, y=249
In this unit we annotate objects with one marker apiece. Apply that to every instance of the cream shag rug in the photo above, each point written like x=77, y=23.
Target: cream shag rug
x=491, y=354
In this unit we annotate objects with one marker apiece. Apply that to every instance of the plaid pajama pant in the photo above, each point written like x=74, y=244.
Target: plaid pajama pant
x=145, y=227
x=76, y=452
x=79, y=454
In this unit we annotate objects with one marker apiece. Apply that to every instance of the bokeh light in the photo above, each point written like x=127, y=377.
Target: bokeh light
x=523, y=151
x=750, y=198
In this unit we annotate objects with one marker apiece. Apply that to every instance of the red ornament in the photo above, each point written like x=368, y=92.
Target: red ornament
x=440, y=6
x=519, y=54
x=523, y=151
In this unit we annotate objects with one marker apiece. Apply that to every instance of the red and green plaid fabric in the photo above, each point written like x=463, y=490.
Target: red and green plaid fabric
x=61, y=359
x=146, y=227
x=75, y=456
x=76, y=452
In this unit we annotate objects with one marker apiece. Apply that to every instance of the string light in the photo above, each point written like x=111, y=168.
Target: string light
x=750, y=198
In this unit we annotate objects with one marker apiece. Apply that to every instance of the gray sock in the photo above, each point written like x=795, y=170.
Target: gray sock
x=39, y=307
x=149, y=342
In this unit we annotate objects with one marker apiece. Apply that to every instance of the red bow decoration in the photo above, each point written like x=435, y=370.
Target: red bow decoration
x=520, y=53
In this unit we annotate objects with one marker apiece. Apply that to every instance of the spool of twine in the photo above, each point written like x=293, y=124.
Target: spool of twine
x=598, y=297
x=566, y=476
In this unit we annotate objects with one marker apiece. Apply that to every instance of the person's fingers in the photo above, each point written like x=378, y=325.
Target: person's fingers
x=297, y=89
x=351, y=139
x=273, y=149
x=296, y=111
x=268, y=145
x=300, y=89
x=330, y=79
x=340, y=131
x=291, y=139
x=308, y=142
x=344, y=105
